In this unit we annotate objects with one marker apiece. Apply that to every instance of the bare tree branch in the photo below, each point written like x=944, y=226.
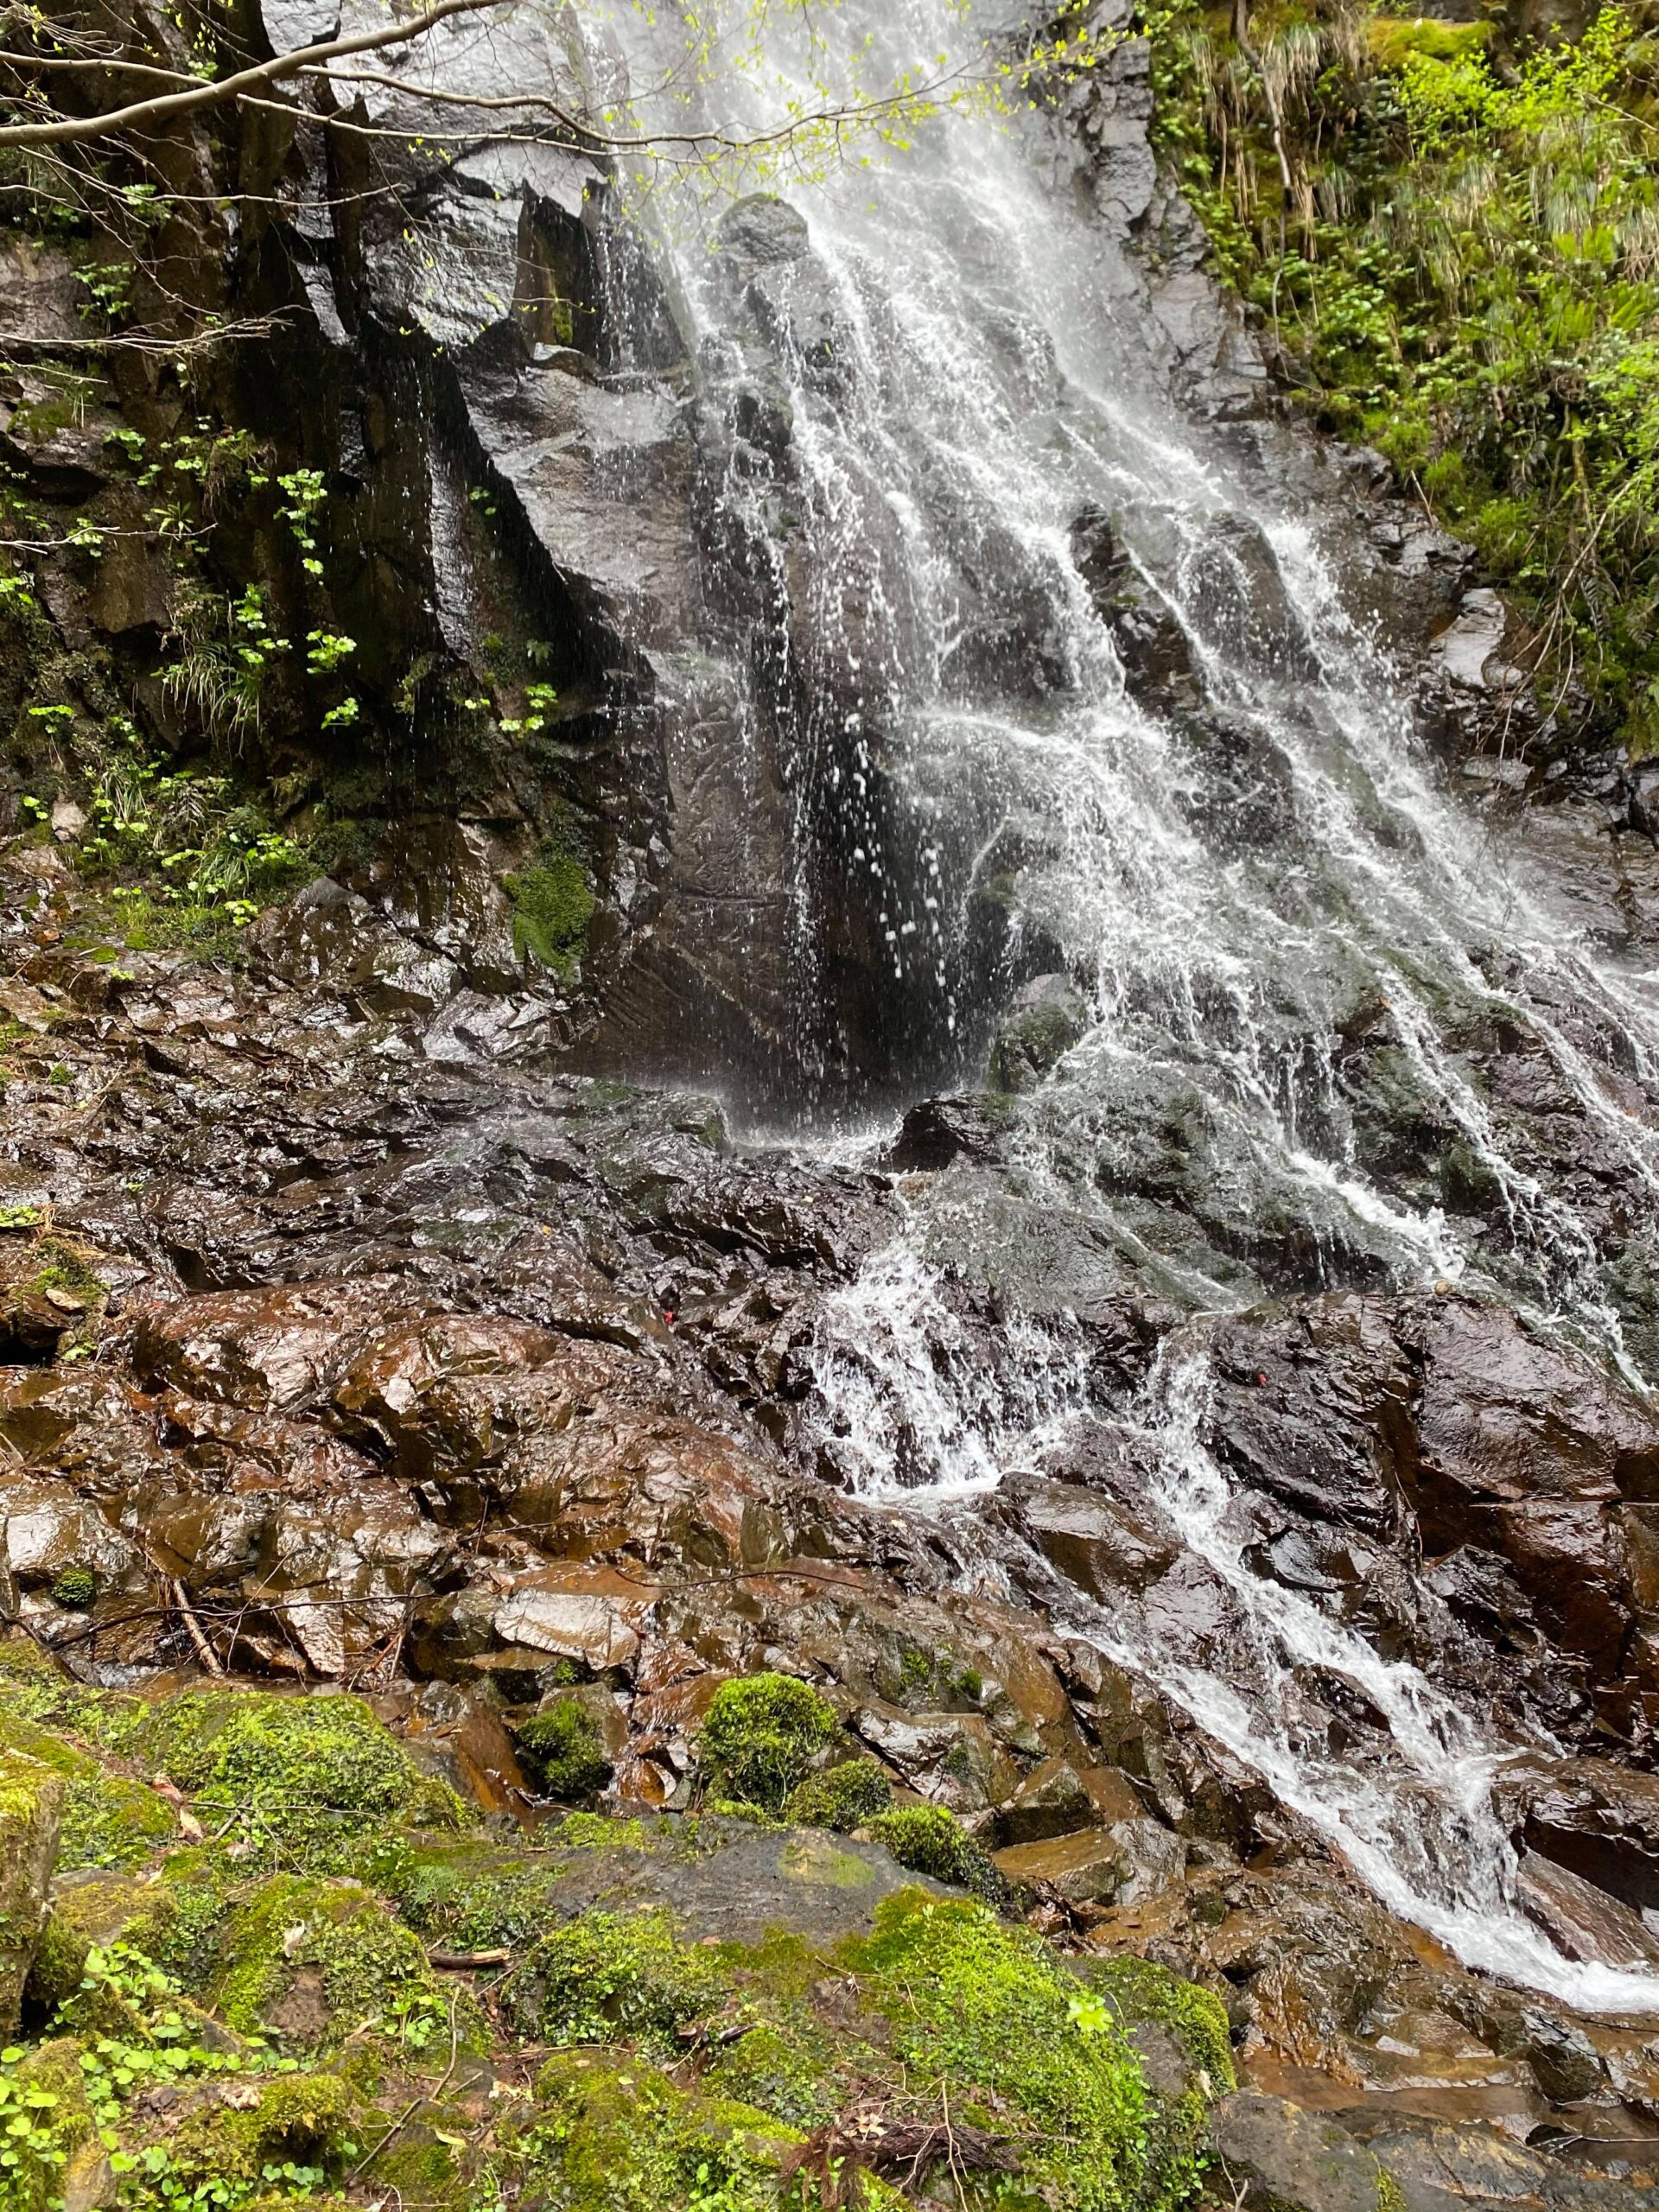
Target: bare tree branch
x=67, y=130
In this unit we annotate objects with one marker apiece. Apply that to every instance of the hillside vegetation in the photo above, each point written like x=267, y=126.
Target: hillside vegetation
x=1451, y=234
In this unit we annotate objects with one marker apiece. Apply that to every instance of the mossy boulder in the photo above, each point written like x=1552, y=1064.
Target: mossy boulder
x=31, y=1808
x=304, y=1779
x=92, y=1913
x=615, y=1977
x=51, y=2155
x=928, y=1839
x=107, y=1818
x=239, y=2133
x=562, y=1751
x=843, y=1798
x=760, y=1737
x=988, y=2013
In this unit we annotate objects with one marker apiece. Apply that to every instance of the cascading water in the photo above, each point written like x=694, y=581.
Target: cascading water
x=995, y=378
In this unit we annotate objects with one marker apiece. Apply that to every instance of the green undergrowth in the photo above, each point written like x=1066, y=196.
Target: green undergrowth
x=552, y=902
x=280, y=1990
x=1458, y=263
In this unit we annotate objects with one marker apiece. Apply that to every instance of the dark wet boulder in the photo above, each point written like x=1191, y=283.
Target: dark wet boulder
x=1313, y=1405
x=766, y=257
x=1234, y=782
x=1153, y=647
x=1597, y=1818
x=941, y=1131
x=1096, y=1540
x=1274, y=2156
x=1044, y=1021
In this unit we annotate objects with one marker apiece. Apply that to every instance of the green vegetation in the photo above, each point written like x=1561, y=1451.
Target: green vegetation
x=984, y=2009
x=552, y=905
x=563, y=1752
x=109, y=1820
x=266, y=2017
x=74, y=1586
x=1454, y=245
x=842, y=1798
x=299, y=1779
x=179, y=857
x=624, y=1976
x=609, y=2138
x=930, y=1840
x=760, y=1736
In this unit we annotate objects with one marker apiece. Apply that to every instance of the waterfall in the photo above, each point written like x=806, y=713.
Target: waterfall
x=964, y=364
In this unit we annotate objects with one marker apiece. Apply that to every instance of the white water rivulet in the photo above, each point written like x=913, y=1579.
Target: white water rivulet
x=999, y=374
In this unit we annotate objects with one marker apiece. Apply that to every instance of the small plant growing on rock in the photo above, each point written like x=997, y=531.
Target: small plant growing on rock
x=562, y=1754
x=761, y=1735
x=844, y=1798
x=74, y=1586
x=930, y=1840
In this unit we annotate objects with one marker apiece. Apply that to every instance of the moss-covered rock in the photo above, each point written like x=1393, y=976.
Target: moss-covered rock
x=760, y=1736
x=562, y=1751
x=706, y=2060
x=843, y=1798
x=613, y=1977
x=787, y=2074
x=313, y=1962
x=611, y=2137
x=107, y=1818
x=93, y=1913
x=985, y=2012
x=302, y=1778
x=31, y=1807
x=50, y=2152
x=928, y=1839
x=301, y=2120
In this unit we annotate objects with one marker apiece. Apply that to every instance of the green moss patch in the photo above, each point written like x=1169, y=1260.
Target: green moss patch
x=928, y=1839
x=611, y=2137
x=988, y=2012
x=301, y=1778
x=611, y=1977
x=552, y=905
x=301, y=2121
x=563, y=1752
x=108, y=1820
x=842, y=1798
x=760, y=1737
x=315, y=1961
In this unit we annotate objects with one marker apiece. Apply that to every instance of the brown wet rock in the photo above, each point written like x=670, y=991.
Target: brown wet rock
x=1131, y=1863
x=953, y=1759
x=1582, y=1921
x=1598, y=1819
x=1093, y=1540
x=1058, y=1798
x=1446, y=2166
x=278, y=1350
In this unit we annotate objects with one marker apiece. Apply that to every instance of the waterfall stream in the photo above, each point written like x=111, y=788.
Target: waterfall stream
x=997, y=375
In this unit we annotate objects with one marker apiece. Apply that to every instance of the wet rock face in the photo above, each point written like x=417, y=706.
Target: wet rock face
x=1440, y=1451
